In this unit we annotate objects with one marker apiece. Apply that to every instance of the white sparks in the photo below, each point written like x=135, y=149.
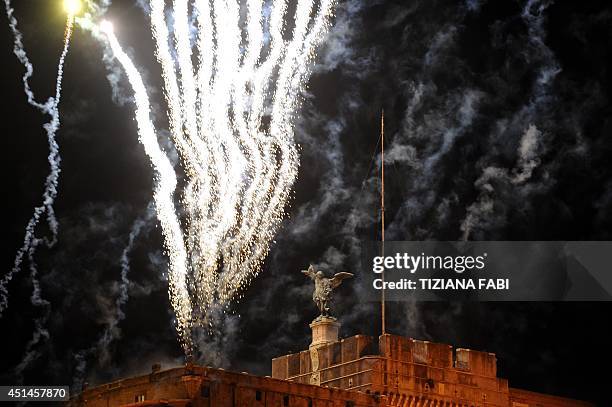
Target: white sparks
x=231, y=118
x=163, y=195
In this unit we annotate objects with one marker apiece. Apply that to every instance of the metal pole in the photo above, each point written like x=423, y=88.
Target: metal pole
x=382, y=214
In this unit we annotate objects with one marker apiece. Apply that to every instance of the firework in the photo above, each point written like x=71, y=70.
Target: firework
x=231, y=118
x=51, y=108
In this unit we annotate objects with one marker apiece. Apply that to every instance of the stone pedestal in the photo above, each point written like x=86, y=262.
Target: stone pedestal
x=324, y=331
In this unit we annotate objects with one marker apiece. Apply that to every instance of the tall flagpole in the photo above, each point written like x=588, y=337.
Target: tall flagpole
x=382, y=213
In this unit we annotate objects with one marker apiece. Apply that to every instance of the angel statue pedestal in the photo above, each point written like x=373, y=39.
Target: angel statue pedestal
x=324, y=330
x=325, y=327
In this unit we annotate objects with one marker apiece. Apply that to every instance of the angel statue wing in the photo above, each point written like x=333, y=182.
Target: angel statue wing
x=311, y=272
x=338, y=277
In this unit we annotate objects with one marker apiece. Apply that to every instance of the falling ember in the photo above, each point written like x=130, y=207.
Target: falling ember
x=72, y=7
x=239, y=170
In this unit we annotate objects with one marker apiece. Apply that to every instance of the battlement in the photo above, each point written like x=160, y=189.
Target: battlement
x=391, y=347
x=358, y=371
x=408, y=370
x=198, y=386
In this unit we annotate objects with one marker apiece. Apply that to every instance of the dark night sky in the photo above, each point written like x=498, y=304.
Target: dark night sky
x=461, y=83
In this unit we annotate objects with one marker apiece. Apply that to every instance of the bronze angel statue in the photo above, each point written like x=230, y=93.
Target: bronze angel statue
x=324, y=287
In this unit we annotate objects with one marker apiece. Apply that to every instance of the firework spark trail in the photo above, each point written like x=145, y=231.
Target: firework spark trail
x=263, y=181
x=294, y=70
x=163, y=195
x=272, y=157
x=236, y=266
x=229, y=155
x=256, y=145
x=249, y=141
x=177, y=109
x=226, y=15
x=22, y=56
x=40, y=331
x=228, y=159
x=161, y=35
x=188, y=85
x=111, y=331
x=180, y=111
x=202, y=250
x=205, y=44
x=231, y=118
x=202, y=200
x=54, y=159
x=183, y=106
x=187, y=88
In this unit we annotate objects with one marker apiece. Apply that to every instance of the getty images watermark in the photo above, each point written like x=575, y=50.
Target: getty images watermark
x=412, y=264
x=487, y=271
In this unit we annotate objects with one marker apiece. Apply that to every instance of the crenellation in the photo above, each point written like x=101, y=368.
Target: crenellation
x=407, y=367
x=356, y=371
